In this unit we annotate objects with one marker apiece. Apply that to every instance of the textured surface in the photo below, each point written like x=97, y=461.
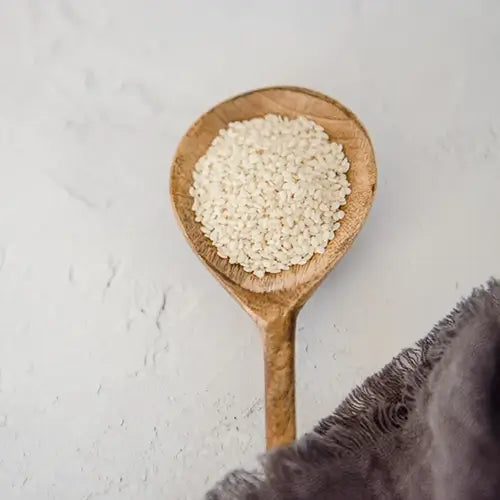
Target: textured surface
x=125, y=370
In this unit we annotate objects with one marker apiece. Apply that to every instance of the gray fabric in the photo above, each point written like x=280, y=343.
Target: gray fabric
x=427, y=426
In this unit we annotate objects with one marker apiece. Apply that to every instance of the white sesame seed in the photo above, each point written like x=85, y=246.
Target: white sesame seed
x=268, y=190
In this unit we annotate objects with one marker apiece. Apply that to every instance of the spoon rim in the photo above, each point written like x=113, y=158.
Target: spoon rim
x=320, y=264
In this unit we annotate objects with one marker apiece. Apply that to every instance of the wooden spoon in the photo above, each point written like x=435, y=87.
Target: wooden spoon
x=274, y=300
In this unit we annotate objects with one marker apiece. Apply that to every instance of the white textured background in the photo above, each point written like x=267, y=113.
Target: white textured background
x=126, y=372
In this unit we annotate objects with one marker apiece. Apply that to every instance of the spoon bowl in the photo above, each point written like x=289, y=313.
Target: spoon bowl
x=274, y=300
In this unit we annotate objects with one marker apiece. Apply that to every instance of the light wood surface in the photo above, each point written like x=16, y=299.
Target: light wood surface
x=274, y=300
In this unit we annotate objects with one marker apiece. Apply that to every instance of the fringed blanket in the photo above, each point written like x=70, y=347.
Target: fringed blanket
x=427, y=426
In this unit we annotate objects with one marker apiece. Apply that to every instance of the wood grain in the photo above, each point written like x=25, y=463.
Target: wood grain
x=279, y=365
x=274, y=300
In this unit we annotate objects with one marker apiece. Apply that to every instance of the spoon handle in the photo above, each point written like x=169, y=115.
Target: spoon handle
x=279, y=361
